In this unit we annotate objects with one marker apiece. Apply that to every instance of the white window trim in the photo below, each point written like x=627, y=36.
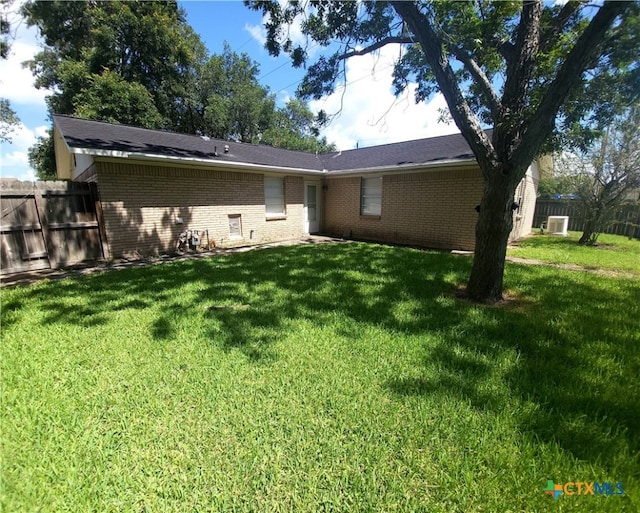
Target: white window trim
x=234, y=236
x=371, y=196
x=274, y=197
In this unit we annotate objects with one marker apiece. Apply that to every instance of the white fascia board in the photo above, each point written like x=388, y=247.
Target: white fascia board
x=193, y=161
x=405, y=168
x=100, y=153
x=280, y=170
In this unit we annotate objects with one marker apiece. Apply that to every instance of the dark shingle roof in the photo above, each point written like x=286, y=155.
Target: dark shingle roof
x=97, y=135
x=420, y=151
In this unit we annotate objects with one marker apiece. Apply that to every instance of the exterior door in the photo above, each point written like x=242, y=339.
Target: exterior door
x=311, y=208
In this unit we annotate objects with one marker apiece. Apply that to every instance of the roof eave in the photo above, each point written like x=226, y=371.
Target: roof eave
x=264, y=168
x=198, y=162
x=407, y=168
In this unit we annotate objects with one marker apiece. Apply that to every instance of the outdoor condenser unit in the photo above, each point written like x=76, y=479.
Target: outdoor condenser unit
x=558, y=225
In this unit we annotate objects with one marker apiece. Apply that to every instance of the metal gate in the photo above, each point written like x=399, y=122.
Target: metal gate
x=48, y=225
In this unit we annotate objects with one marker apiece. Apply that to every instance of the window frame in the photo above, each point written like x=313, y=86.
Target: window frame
x=371, y=190
x=233, y=235
x=276, y=200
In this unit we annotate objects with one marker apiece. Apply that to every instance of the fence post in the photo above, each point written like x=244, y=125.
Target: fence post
x=41, y=212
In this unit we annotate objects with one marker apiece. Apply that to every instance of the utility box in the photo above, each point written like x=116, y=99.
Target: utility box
x=558, y=225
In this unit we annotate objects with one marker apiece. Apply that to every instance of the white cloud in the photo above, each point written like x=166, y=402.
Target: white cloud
x=42, y=131
x=283, y=97
x=14, y=157
x=369, y=112
x=16, y=165
x=16, y=82
x=292, y=31
x=23, y=137
x=257, y=32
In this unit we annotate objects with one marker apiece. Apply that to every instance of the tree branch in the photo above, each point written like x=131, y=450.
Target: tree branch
x=520, y=66
x=507, y=134
x=377, y=45
x=481, y=79
x=548, y=34
x=541, y=123
x=433, y=49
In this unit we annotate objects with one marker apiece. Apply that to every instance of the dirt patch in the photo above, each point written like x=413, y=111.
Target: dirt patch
x=572, y=267
x=511, y=300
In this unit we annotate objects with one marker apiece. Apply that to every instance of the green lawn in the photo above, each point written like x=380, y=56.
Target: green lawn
x=337, y=377
x=613, y=252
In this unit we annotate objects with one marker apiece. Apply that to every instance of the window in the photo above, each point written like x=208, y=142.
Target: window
x=274, y=196
x=371, y=197
x=235, y=226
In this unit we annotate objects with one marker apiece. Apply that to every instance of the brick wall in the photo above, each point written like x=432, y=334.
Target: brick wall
x=141, y=204
x=431, y=209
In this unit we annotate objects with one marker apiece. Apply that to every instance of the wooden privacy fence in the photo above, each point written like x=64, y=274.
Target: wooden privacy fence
x=627, y=221
x=47, y=225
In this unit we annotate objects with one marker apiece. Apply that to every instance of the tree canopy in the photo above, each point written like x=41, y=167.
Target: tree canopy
x=535, y=73
x=295, y=127
x=98, y=54
x=8, y=117
x=606, y=175
x=8, y=120
x=140, y=63
x=5, y=28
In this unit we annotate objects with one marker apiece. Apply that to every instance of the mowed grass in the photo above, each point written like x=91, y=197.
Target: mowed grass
x=337, y=377
x=612, y=253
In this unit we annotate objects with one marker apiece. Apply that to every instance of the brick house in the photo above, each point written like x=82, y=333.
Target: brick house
x=155, y=184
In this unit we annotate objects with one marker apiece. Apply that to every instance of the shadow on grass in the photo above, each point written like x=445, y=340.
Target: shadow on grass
x=246, y=299
x=10, y=312
x=555, y=353
x=573, y=354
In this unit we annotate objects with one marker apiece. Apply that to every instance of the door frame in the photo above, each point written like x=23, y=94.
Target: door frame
x=306, y=225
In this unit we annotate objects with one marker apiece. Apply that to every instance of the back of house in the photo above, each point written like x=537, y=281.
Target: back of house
x=155, y=185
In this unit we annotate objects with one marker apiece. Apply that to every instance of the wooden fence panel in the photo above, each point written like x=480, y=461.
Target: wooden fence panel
x=22, y=241
x=627, y=222
x=48, y=225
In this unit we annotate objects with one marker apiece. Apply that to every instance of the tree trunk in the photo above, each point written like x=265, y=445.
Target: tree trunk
x=587, y=237
x=590, y=230
x=593, y=221
x=495, y=221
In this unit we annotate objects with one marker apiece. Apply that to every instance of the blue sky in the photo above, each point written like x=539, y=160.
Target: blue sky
x=369, y=114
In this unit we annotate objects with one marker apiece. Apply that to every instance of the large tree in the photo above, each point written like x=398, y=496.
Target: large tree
x=141, y=64
x=42, y=157
x=105, y=56
x=8, y=120
x=235, y=104
x=295, y=127
x=605, y=176
x=533, y=72
x=122, y=62
x=8, y=117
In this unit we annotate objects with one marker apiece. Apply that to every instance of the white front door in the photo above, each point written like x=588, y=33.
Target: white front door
x=311, y=207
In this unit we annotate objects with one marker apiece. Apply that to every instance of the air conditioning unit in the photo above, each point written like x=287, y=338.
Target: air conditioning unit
x=558, y=225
